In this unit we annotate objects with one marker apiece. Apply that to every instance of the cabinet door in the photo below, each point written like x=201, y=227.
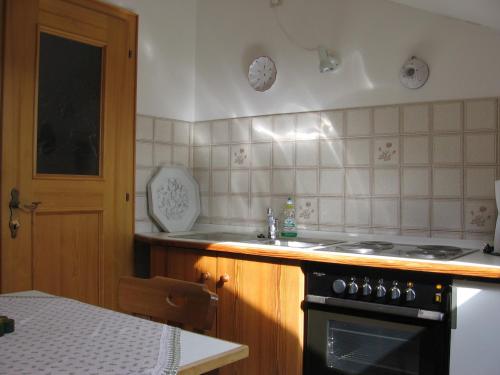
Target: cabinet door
x=475, y=341
x=185, y=264
x=260, y=306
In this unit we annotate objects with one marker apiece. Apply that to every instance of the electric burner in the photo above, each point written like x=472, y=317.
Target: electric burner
x=383, y=248
x=435, y=252
x=377, y=245
x=440, y=248
x=356, y=249
x=366, y=247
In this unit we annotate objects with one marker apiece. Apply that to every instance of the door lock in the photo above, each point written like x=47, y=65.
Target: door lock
x=14, y=225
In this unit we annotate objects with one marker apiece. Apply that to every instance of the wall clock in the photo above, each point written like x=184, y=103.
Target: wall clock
x=414, y=73
x=262, y=73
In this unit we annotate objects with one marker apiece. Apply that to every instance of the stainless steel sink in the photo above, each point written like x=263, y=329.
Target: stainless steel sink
x=217, y=237
x=300, y=243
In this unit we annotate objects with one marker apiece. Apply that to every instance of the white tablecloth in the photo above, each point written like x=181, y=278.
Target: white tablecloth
x=56, y=335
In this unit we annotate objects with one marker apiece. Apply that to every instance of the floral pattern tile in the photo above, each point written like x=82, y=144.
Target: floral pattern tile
x=480, y=216
x=386, y=151
x=240, y=156
x=307, y=211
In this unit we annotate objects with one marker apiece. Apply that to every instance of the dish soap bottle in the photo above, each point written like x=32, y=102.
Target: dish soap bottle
x=289, y=227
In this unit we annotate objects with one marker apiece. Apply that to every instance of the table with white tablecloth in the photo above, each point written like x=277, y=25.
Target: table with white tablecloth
x=55, y=335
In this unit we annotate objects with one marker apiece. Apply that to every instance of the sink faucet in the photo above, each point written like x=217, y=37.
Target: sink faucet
x=272, y=224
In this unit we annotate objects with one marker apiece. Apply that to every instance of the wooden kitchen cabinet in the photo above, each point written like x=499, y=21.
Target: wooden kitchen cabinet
x=259, y=304
x=185, y=265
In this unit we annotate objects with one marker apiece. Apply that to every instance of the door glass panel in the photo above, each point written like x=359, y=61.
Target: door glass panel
x=69, y=107
x=354, y=348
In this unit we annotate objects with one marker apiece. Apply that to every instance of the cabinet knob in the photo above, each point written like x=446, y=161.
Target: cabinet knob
x=395, y=291
x=339, y=286
x=380, y=289
x=367, y=288
x=205, y=276
x=352, y=287
x=224, y=278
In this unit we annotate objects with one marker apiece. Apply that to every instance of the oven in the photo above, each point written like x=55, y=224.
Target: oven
x=376, y=322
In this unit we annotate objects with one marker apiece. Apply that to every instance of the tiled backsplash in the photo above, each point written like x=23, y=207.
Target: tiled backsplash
x=158, y=142
x=416, y=169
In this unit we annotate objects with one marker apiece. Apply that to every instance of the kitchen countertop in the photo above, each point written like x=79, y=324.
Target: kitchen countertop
x=476, y=264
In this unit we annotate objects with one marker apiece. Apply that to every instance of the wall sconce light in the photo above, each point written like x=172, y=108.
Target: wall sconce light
x=327, y=63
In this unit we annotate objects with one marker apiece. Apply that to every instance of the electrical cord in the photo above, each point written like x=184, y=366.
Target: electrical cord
x=488, y=249
x=287, y=34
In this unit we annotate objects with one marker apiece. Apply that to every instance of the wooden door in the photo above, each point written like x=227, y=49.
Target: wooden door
x=67, y=142
x=260, y=306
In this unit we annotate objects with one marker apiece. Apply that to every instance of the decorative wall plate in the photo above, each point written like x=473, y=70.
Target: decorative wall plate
x=174, y=199
x=414, y=73
x=262, y=73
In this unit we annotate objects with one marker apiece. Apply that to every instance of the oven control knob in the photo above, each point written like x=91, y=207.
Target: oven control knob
x=352, y=287
x=380, y=289
x=339, y=286
x=367, y=288
x=410, y=293
x=395, y=291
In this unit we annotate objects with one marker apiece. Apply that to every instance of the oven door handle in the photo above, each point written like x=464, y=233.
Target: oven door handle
x=375, y=307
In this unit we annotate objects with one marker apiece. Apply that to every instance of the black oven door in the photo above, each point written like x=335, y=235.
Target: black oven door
x=349, y=342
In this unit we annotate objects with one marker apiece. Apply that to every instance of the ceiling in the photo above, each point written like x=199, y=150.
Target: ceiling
x=482, y=12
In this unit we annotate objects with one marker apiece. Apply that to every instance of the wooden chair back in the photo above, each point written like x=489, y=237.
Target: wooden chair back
x=182, y=302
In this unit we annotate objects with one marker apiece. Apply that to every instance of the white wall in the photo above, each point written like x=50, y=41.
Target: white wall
x=166, y=61
x=372, y=37
x=482, y=12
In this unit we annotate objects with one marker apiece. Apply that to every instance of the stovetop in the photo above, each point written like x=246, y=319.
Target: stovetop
x=382, y=248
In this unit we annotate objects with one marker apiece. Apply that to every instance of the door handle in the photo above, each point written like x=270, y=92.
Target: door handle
x=30, y=207
x=14, y=199
x=15, y=204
